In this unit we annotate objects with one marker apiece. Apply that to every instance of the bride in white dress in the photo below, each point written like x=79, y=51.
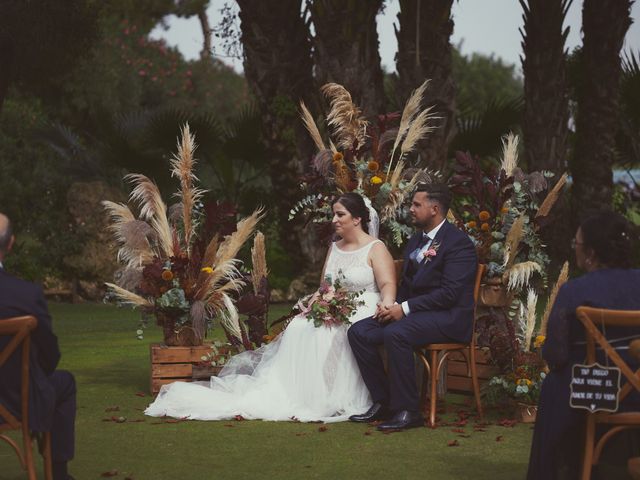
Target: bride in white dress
x=306, y=373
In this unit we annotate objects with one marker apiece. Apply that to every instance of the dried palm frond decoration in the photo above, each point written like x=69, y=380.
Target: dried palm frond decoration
x=370, y=158
x=552, y=197
x=527, y=319
x=516, y=232
x=518, y=276
x=185, y=284
x=509, y=154
x=562, y=279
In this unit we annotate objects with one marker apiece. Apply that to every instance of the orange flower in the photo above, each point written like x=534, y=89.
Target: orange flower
x=504, y=210
x=337, y=157
x=484, y=227
x=376, y=180
x=167, y=275
x=484, y=216
x=373, y=166
x=472, y=224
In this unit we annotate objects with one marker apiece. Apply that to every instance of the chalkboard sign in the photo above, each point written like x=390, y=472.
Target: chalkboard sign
x=595, y=388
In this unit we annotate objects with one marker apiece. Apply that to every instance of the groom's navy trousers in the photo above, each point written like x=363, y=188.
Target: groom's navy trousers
x=439, y=293
x=52, y=393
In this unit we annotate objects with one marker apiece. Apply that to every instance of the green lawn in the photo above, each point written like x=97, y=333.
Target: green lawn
x=112, y=370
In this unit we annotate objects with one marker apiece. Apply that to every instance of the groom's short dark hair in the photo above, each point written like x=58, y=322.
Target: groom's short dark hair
x=438, y=192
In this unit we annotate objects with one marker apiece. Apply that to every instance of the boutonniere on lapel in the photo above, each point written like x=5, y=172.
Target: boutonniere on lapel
x=430, y=252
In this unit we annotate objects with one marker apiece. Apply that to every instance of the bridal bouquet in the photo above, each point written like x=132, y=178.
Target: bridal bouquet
x=331, y=305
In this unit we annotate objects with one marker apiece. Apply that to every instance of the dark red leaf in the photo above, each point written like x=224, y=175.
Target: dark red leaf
x=453, y=443
x=507, y=422
x=110, y=473
x=322, y=429
x=368, y=432
x=457, y=430
x=228, y=425
x=499, y=438
x=465, y=436
x=141, y=394
x=115, y=408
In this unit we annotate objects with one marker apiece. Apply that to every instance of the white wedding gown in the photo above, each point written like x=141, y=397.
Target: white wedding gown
x=306, y=374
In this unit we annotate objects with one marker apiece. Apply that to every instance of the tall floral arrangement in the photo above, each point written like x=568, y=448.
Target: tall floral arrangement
x=500, y=209
x=367, y=158
x=183, y=283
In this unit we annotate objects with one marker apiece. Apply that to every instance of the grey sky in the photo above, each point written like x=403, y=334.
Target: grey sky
x=484, y=26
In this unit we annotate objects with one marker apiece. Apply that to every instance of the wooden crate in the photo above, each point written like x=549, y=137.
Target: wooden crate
x=457, y=379
x=170, y=364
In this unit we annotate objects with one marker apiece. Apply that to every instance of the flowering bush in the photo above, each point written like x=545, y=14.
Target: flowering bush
x=331, y=305
x=523, y=385
x=361, y=160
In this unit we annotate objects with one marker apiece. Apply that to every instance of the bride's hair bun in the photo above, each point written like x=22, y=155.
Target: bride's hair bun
x=354, y=203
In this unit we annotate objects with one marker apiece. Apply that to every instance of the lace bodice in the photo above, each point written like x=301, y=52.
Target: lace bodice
x=352, y=268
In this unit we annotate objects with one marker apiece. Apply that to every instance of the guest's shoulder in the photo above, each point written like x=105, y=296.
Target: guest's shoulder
x=12, y=284
x=454, y=233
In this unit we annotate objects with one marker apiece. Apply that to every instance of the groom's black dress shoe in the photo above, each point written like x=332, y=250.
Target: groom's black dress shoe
x=403, y=420
x=377, y=411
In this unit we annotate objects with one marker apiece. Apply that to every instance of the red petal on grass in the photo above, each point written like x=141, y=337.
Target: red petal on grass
x=479, y=429
x=228, y=425
x=110, y=473
x=322, y=429
x=453, y=443
x=238, y=418
x=464, y=436
x=300, y=434
x=115, y=408
x=499, y=438
x=507, y=422
x=368, y=432
x=457, y=430
x=141, y=394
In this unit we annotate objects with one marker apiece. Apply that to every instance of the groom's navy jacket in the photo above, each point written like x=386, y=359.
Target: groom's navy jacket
x=441, y=289
x=17, y=298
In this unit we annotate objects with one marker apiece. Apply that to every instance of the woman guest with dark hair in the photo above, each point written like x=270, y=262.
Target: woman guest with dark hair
x=603, y=247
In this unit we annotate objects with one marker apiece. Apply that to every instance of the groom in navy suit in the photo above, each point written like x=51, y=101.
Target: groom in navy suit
x=52, y=393
x=434, y=305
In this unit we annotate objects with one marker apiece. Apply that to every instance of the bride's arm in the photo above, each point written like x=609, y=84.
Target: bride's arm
x=384, y=272
x=326, y=260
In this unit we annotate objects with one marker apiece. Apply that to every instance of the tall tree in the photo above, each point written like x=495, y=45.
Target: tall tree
x=346, y=49
x=278, y=67
x=424, y=51
x=604, y=25
x=546, y=100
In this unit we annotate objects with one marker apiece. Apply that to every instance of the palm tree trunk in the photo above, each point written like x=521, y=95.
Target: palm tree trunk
x=546, y=101
x=604, y=25
x=346, y=49
x=278, y=67
x=424, y=51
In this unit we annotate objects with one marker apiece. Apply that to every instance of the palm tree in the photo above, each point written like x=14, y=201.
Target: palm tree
x=604, y=24
x=346, y=49
x=424, y=51
x=546, y=102
x=278, y=67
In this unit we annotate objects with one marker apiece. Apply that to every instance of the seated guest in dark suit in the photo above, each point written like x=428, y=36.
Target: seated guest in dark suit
x=604, y=249
x=434, y=305
x=52, y=393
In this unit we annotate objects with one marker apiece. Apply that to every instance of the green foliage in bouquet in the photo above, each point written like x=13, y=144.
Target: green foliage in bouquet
x=167, y=270
x=333, y=304
x=365, y=158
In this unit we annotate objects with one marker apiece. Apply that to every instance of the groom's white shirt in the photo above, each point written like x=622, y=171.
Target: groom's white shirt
x=431, y=235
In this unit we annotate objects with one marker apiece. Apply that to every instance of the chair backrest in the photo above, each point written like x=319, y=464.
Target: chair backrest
x=476, y=293
x=19, y=330
x=592, y=318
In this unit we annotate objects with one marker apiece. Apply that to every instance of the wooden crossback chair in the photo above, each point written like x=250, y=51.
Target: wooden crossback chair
x=592, y=318
x=432, y=365
x=19, y=329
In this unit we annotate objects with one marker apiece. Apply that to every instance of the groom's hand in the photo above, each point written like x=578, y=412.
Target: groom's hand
x=391, y=313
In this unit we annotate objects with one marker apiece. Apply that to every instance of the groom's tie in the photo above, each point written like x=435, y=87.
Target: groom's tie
x=415, y=257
